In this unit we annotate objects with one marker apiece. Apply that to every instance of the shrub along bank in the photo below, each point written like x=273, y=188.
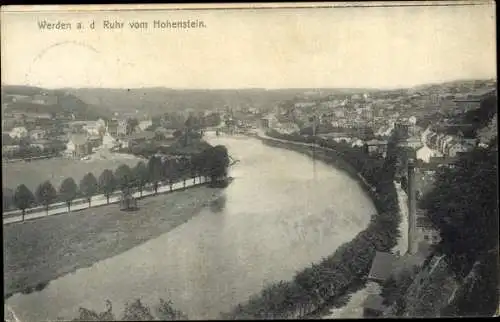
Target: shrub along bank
x=335, y=275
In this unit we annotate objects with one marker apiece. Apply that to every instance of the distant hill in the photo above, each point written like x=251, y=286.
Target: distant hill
x=155, y=101
x=64, y=103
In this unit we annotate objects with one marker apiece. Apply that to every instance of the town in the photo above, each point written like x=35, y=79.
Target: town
x=437, y=124
x=332, y=162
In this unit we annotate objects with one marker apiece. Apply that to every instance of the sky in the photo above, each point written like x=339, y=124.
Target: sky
x=354, y=47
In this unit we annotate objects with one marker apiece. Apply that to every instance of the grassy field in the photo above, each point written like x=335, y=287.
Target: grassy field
x=56, y=170
x=38, y=251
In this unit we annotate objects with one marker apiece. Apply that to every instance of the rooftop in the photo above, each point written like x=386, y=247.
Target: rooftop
x=78, y=139
x=382, y=266
x=376, y=142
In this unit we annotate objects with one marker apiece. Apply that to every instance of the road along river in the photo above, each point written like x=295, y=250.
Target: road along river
x=277, y=217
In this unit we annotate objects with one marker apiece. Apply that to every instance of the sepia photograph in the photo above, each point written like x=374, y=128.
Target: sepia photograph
x=323, y=160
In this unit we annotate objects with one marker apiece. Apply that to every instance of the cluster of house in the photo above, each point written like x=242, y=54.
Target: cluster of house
x=448, y=145
x=111, y=135
x=82, y=137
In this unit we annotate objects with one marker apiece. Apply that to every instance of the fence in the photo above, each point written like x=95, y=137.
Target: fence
x=97, y=200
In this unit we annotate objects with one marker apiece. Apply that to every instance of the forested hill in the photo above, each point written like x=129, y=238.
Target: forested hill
x=158, y=100
x=23, y=99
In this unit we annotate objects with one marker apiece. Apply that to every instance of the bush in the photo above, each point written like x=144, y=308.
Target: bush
x=134, y=311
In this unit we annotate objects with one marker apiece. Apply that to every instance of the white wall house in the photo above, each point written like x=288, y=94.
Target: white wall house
x=95, y=128
x=108, y=141
x=18, y=132
x=78, y=146
x=37, y=134
x=143, y=125
x=287, y=128
x=425, y=154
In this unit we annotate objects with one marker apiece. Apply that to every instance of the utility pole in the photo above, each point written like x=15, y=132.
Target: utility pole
x=314, y=143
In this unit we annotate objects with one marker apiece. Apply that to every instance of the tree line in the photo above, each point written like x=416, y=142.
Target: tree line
x=25, y=150
x=212, y=164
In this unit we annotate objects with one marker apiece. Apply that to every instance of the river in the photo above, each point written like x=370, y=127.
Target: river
x=282, y=212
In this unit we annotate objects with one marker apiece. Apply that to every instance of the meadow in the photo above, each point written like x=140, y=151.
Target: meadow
x=56, y=170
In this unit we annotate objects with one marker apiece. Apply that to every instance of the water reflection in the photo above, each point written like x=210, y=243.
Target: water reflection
x=218, y=204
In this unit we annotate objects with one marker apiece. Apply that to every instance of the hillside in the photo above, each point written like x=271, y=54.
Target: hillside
x=155, y=101
x=65, y=104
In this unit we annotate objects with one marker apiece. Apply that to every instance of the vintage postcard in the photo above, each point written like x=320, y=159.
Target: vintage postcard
x=249, y=161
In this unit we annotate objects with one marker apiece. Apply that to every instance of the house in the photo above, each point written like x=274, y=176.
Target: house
x=164, y=133
x=375, y=147
x=122, y=127
x=137, y=138
x=95, y=140
x=304, y=104
x=143, y=125
x=112, y=127
x=37, y=134
x=357, y=142
x=426, y=232
x=108, y=141
x=94, y=128
x=41, y=144
x=268, y=121
x=437, y=162
x=287, y=128
x=382, y=267
x=78, y=146
x=37, y=116
x=18, y=132
x=425, y=153
x=456, y=148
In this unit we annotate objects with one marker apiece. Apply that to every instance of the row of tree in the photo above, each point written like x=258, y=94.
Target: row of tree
x=338, y=274
x=211, y=163
x=26, y=151
x=134, y=311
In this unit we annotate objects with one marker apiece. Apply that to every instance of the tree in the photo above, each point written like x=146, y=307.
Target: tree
x=177, y=134
x=217, y=163
x=141, y=175
x=68, y=191
x=155, y=171
x=468, y=225
x=88, y=186
x=124, y=177
x=23, y=198
x=136, y=311
x=107, y=183
x=46, y=194
x=167, y=312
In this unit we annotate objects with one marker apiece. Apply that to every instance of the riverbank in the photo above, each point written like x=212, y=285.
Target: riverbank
x=331, y=281
x=36, y=252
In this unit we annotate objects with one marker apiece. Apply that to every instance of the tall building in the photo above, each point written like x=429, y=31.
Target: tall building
x=412, y=209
